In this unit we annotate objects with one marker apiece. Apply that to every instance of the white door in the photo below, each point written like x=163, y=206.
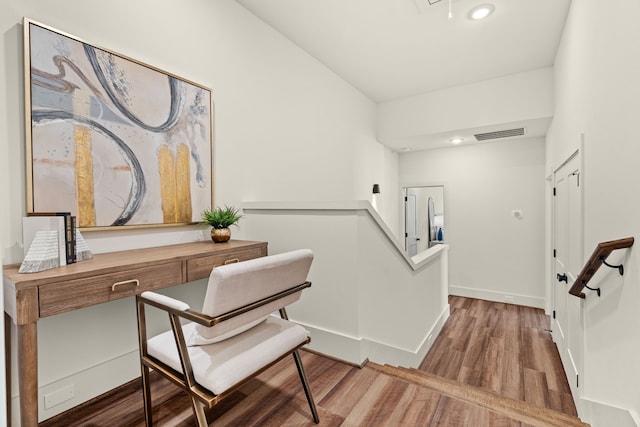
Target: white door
x=568, y=315
x=410, y=224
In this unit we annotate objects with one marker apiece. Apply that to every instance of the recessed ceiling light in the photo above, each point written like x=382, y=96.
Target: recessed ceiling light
x=456, y=140
x=481, y=12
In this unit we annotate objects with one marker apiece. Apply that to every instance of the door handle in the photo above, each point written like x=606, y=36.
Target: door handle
x=562, y=278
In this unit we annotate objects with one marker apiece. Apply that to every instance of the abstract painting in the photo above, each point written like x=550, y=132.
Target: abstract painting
x=110, y=139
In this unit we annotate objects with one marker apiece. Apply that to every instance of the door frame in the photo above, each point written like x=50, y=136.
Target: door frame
x=414, y=237
x=554, y=237
x=445, y=206
x=579, y=154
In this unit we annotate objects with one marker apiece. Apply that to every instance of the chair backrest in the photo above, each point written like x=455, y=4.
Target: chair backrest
x=237, y=285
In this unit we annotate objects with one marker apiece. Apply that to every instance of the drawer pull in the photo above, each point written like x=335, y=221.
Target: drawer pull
x=231, y=261
x=124, y=282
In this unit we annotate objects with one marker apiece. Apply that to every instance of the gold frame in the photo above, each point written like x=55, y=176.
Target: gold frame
x=175, y=181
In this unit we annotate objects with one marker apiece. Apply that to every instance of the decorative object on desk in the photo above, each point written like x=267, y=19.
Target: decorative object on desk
x=220, y=235
x=43, y=253
x=82, y=249
x=103, y=127
x=69, y=241
x=32, y=224
x=220, y=219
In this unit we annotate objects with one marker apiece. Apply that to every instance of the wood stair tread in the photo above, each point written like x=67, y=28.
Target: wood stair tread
x=515, y=409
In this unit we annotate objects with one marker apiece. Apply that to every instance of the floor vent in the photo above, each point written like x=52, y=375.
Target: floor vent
x=499, y=134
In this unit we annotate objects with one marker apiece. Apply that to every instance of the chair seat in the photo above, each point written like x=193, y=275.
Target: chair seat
x=221, y=365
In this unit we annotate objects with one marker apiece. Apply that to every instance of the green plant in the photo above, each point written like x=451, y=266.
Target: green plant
x=221, y=217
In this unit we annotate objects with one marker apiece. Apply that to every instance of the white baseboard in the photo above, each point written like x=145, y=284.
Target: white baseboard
x=599, y=414
x=357, y=350
x=385, y=354
x=526, y=300
x=86, y=384
x=334, y=344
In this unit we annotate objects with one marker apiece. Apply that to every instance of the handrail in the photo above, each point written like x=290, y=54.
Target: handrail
x=598, y=257
x=415, y=263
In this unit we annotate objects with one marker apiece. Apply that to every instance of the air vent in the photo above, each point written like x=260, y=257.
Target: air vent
x=423, y=5
x=499, y=134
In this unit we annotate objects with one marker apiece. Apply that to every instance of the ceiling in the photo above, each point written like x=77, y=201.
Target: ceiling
x=391, y=49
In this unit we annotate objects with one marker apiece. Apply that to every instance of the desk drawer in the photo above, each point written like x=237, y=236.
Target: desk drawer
x=74, y=294
x=200, y=268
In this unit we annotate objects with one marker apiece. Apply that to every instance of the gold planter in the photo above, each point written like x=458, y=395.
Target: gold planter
x=220, y=235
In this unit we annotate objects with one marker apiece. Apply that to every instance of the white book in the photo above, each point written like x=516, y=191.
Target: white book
x=32, y=224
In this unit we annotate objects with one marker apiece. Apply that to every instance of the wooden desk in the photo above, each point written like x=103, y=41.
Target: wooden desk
x=106, y=277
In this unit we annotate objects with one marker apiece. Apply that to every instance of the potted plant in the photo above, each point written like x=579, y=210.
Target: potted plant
x=220, y=219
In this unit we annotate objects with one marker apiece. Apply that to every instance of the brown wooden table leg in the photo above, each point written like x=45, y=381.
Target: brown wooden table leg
x=7, y=363
x=28, y=373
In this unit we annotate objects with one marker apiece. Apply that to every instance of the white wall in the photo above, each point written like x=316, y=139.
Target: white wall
x=286, y=128
x=598, y=95
x=376, y=164
x=492, y=255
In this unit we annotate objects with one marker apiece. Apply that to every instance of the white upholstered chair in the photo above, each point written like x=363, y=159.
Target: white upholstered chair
x=234, y=337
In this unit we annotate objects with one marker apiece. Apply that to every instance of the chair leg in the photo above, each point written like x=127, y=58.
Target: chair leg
x=198, y=411
x=305, y=385
x=146, y=392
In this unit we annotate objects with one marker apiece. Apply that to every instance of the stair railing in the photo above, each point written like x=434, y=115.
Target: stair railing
x=598, y=257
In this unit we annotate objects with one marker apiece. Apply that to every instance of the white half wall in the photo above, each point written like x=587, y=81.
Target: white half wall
x=368, y=299
x=492, y=254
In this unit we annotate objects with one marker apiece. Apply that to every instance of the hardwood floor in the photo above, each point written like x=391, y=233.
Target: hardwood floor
x=509, y=341
x=503, y=348
x=516, y=410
